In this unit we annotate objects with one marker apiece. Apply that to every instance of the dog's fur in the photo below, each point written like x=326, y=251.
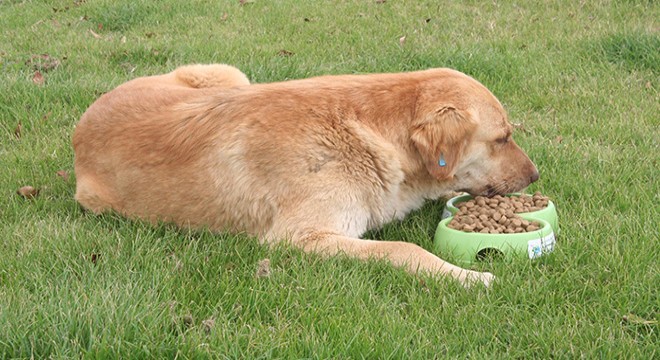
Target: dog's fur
x=316, y=162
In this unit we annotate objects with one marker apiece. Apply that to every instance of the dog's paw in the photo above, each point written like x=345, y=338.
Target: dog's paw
x=474, y=277
x=487, y=279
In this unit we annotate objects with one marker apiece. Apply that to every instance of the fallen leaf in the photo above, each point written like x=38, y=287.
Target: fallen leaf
x=28, y=192
x=648, y=85
x=94, y=258
x=63, y=174
x=224, y=17
x=559, y=139
x=37, y=78
x=99, y=27
x=402, y=40
x=188, y=320
x=18, y=130
x=95, y=35
x=263, y=268
x=45, y=117
x=123, y=40
x=285, y=53
x=208, y=325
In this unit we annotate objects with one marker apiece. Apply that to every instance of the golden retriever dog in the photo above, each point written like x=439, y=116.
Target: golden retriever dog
x=315, y=162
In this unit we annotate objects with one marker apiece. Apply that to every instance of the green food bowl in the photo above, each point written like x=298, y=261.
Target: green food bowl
x=468, y=248
x=549, y=213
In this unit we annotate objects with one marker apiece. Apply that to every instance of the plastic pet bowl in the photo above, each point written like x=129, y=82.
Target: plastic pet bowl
x=468, y=248
x=549, y=213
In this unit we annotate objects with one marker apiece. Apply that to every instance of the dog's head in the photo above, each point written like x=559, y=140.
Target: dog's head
x=462, y=133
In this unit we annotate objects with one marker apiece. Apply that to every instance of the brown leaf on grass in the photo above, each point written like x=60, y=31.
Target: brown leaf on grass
x=208, y=325
x=95, y=35
x=224, y=17
x=285, y=53
x=94, y=258
x=27, y=192
x=263, y=268
x=402, y=40
x=648, y=85
x=37, y=78
x=18, y=130
x=188, y=320
x=63, y=174
x=559, y=139
x=46, y=116
x=42, y=62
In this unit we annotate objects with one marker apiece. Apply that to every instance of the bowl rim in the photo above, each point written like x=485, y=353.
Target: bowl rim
x=450, y=204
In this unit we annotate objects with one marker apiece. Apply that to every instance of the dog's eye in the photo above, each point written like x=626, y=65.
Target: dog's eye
x=503, y=140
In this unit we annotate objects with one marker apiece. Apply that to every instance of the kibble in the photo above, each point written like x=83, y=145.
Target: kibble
x=497, y=215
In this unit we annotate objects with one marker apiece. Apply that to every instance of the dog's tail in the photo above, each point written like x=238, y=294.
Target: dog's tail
x=208, y=76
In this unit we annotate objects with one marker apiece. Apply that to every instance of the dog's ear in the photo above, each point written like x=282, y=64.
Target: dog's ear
x=441, y=138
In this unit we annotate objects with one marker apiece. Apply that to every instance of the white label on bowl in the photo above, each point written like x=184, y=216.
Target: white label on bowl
x=446, y=214
x=538, y=247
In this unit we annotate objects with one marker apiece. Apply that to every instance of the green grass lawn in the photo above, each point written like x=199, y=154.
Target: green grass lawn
x=581, y=79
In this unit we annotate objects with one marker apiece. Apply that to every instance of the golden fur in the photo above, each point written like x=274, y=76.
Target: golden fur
x=316, y=162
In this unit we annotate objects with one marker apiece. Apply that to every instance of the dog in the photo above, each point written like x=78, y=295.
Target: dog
x=315, y=162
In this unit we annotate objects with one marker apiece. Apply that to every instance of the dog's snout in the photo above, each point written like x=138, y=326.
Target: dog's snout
x=535, y=176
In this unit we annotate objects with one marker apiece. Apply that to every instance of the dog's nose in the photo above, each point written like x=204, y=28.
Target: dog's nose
x=535, y=176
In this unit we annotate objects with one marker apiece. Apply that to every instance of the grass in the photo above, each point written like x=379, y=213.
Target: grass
x=580, y=77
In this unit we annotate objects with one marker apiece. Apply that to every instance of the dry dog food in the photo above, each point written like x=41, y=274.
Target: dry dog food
x=497, y=215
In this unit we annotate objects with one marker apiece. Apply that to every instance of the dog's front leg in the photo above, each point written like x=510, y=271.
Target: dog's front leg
x=401, y=254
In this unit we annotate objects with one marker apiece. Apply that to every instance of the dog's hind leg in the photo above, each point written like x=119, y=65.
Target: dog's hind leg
x=213, y=75
x=93, y=196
